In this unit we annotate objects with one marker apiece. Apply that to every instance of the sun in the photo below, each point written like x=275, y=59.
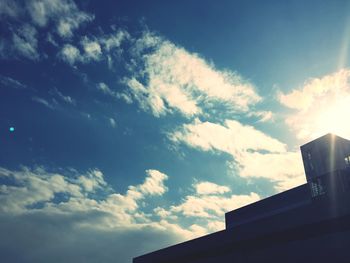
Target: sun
x=334, y=118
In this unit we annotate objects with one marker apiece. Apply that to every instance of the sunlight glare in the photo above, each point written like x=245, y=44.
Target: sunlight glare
x=334, y=118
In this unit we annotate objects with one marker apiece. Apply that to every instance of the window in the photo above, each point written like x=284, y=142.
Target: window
x=317, y=187
x=309, y=162
x=347, y=161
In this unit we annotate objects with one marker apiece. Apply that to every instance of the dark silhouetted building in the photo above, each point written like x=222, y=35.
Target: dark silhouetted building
x=309, y=223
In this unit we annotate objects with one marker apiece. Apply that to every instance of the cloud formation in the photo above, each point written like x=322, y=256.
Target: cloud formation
x=103, y=47
x=11, y=83
x=65, y=98
x=30, y=17
x=112, y=122
x=212, y=206
x=206, y=207
x=25, y=42
x=9, y=8
x=92, y=49
x=70, y=54
x=254, y=153
x=173, y=79
x=62, y=209
x=44, y=102
x=64, y=13
x=330, y=95
x=205, y=188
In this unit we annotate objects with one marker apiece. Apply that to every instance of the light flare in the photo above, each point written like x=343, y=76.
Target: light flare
x=334, y=118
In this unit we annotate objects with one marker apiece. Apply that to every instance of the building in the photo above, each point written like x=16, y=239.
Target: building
x=309, y=223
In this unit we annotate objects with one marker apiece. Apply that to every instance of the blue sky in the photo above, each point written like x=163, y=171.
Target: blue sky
x=138, y=124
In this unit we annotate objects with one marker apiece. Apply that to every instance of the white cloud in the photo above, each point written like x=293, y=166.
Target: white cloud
x=115, y=40
x=34, y=187
x=264, y=116
x=206, y=207
x=70, y=54
x=66, y=99
x=43, y=102
x=67, y=25
x=64, y=13
x=112, y=122
x=51, y=39
x=49, y=205
x=91, y=52
x=9, y=8
x=164, y=214
x=320, y=106
x=215, y=226
x=25, y=42
x=254, y=153
x=232, y=137
x=11, y=83
x=212, y=206
x=64, y=210
x=92, y=49
x=205, y=188
x=154, y=183
x=286, y=169
x=92, y=180
x=103, y=87
x=183, y=81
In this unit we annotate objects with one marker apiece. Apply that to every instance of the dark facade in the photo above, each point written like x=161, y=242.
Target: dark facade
x=308, y=223
x=325, y=160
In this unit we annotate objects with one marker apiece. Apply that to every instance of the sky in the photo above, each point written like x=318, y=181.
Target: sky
x=129, y=126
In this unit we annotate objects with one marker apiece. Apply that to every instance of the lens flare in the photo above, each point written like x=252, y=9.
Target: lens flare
x=334, y=118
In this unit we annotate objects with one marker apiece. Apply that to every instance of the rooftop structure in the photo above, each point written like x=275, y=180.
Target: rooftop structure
x=310, y=222
x=324, y=160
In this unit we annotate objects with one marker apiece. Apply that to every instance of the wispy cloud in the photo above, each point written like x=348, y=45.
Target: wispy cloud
x=206, y=207
x=9, y=8
x=255, y=154
x=330, y=95
x=112, y=122
x=25, y=42
x=65, y=98
x=154, y=183
x=105, y=89
x=70, y=54
x=232, y=137
x=212, y=206
x=64, y=13
x=92, y=49
x=79, y=206
x=114, y=40
x=44, y=102
x=11, y=83
x=36, y=201
x=173, y=79
x=210, y=188
x=263, y=116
